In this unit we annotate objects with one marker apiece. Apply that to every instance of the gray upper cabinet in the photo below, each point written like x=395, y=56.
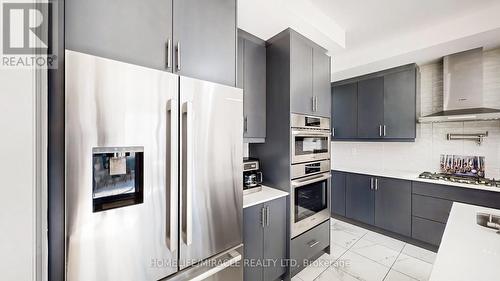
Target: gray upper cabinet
x=301, y=72
x=189, y=37
x=310, y=77
x=399, y=104
x=360, y=198
x=131, y=31
x=370, y=108
x=385, y=106
x=205, y=40
x=321, y=83
x=265, y=239
x=393, y=205
x=252, y=79
x=345, y=111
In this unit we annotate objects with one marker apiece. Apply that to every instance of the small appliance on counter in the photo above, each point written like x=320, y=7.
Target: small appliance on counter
x=252, y=176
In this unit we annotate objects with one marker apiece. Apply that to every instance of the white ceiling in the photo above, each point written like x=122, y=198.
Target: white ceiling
x=366, y=21
x=363, y=36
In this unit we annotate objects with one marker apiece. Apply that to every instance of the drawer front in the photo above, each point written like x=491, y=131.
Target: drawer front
x=484, y=198
x=427, y=231
x=431, y=208
x=309, y=244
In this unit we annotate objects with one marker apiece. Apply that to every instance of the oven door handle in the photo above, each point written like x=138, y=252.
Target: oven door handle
x=310, y=133
x=311, y=179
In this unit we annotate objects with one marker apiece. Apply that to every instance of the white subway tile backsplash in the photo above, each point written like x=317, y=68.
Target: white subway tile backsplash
x=424, y=153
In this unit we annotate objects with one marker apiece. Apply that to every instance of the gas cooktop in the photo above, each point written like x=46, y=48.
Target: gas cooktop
x=460, y=179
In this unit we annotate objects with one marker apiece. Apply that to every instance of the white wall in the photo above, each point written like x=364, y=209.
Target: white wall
x=423, y=154
x=17, y=173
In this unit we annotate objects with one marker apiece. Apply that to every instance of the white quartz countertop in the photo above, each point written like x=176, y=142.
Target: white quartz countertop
x=413, y=176
x=468, y=251
x=266, y=194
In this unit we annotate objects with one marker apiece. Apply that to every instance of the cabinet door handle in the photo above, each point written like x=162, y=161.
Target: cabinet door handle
x=169, y=54
x=376, y=184
x=385, y=131
x=371, y=183
x=312, y=100
x=178, y=51
x=263, y=217
x=333, y=132
x=380, y=130
x=245, y=124
x=313, y=243
x=267, y=215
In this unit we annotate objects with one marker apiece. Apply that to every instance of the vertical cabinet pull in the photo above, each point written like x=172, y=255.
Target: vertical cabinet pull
x=385, y=131
x=267, y=215
x=178, y=52
x=371, y=183
x=312, y=103
x=263, y=217
x=333, y=132
x=169, y=54
x=376, y=184
x=245, y=125
x=380, y=130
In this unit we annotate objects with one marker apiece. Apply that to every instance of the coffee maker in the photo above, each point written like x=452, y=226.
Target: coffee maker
x=252, y=177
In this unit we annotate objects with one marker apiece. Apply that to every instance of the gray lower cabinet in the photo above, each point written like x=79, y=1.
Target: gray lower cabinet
x=338, y=193
x=370, y=108
x=265, y=239
x=345, y=111
x=393, y=205
x=252, y=79
x=131, y=31
x=399, y=105
x=428, y=231
x=205, y=40
x=360, y=198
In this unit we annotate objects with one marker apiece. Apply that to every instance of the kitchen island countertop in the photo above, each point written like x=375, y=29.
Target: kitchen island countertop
x=468, y=251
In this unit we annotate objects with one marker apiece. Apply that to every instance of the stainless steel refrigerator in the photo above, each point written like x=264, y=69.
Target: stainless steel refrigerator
x=153, y=174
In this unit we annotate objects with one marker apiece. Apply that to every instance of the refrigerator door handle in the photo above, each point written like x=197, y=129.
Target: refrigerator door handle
x=188, y=146
x=172, y=224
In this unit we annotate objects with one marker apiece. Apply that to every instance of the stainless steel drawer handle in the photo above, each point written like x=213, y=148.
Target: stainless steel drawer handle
x=313, y=243
x=178, y=60
x=169, y=54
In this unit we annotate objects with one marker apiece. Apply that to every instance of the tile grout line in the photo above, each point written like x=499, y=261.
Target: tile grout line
x=390, y=268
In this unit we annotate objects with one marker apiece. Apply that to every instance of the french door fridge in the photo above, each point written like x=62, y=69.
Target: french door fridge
x=153, y=174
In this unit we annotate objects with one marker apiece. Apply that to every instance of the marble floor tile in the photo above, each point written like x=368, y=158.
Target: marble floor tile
x=335, y=274
x=413, y=267
x=317, y=267
x=419, y=253
x=375, y=252
x=295, y=278
x=386, y=241
x=336, y=251
x=397, y=276
x=344, y=239
x=361, y=268
x=349, y=228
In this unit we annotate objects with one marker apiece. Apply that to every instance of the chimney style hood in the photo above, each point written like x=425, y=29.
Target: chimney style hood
x=463, y=90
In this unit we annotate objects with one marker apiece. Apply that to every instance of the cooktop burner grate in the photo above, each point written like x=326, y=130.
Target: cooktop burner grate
x=460, y=179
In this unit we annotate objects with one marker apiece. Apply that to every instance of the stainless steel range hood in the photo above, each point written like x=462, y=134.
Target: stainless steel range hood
x=463, y=90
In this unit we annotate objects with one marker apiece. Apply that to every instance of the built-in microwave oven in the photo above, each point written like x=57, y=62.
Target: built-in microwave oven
x=310, y=138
